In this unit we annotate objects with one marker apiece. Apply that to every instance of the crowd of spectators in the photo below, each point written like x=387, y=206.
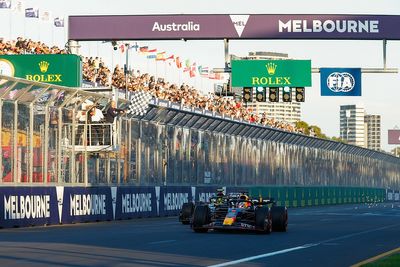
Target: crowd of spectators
x=95, y=71
x=27, y=46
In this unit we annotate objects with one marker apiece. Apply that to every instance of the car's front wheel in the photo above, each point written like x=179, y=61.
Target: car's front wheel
x=201, y=217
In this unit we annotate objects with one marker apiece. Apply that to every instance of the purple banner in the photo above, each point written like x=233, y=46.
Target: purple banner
x=85, y=204
x=25, y=206
x=170, y=199
x=394, y=137
x=135, y=202
x=162, y=27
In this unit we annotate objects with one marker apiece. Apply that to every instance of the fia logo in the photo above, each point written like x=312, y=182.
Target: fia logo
x=340, y=82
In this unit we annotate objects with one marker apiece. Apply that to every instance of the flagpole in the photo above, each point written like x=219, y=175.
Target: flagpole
x=165, y=70
x=156, y=69
x=39, y=22
x=52, y=34
x=10, y=22
x=25, y=25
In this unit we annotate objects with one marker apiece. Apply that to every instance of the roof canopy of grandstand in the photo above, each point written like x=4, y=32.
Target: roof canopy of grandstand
x=30, y=92
x=256, y=26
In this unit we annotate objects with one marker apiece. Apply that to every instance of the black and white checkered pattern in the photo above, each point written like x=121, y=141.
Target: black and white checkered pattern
x=139, y=102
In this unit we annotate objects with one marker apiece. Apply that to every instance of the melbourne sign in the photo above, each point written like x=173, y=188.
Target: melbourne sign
x=55, y=69
x=159, y=27
x=340, y=81
x=271, y=73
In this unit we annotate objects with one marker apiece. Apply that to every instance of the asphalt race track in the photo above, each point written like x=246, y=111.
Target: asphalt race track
x=317, y=236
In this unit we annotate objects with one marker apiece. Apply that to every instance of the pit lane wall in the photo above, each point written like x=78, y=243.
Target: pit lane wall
x=28, y=206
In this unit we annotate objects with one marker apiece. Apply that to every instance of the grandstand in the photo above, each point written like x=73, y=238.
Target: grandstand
x=95, y=71
x=185, y=142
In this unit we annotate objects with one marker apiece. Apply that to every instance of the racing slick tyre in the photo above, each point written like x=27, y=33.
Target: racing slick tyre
x=201, y=217
x=279, y=218
x=186, y=212
x=263, y=220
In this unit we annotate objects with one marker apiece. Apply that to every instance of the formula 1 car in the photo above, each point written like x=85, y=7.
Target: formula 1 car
x=240, y=214
x=186, y=212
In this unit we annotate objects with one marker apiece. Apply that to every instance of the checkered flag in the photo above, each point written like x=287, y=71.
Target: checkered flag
x=139, y=102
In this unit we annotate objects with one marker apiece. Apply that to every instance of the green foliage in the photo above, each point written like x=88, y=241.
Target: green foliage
x=389, y=261
x=304, y=126
x=338, y=139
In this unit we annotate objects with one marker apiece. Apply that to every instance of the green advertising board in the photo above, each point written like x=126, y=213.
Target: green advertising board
x=271, y=73
x=57, y=69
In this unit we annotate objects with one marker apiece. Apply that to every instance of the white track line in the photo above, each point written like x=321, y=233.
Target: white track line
x=162, y=241
x=270, y=254
x=263, y=255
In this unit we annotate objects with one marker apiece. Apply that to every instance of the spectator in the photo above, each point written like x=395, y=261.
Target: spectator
x=96, y=72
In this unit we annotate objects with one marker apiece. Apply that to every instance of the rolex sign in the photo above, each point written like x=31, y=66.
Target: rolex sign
x=57, y=69
x=271, y=73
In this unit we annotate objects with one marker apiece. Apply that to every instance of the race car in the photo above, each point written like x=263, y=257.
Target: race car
x=186, y=212
x=241, y=213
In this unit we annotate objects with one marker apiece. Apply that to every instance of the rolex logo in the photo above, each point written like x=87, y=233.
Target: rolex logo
x=43, y=65
x=271, y=67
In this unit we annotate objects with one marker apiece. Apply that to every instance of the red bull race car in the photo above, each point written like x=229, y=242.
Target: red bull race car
x=238, y=212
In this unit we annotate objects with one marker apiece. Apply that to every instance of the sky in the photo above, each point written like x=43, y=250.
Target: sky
x=380, y=92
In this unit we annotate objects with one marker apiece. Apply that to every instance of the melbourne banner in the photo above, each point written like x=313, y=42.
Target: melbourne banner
x=271, y=73
x=340, y=81
x=245, y=26
x=55, y=69
x=394, y=137
x=25, y=206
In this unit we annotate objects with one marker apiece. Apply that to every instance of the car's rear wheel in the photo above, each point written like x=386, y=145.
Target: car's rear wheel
x=201, y=217
x=279, y=218
x=263, y=220
x=186, y=212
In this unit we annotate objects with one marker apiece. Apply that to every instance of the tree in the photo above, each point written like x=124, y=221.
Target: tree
x=396, y=151
x=304, y=126
x=338, y=139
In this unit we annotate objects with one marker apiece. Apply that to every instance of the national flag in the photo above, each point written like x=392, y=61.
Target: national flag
x=45, y=16
x=215, y=76
x=187, y=63
x=151, y=53
x=143, y=49
x=59, y=22
x=185, y=69
x=192, y=73
x=193, y=68
x=139, y=102
x=204, y=72
x=5, y=3
x=170, y=57
x=122, y=48
x=160, y=56
x=20, y=6
x=32, y=12
x=178, y=63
